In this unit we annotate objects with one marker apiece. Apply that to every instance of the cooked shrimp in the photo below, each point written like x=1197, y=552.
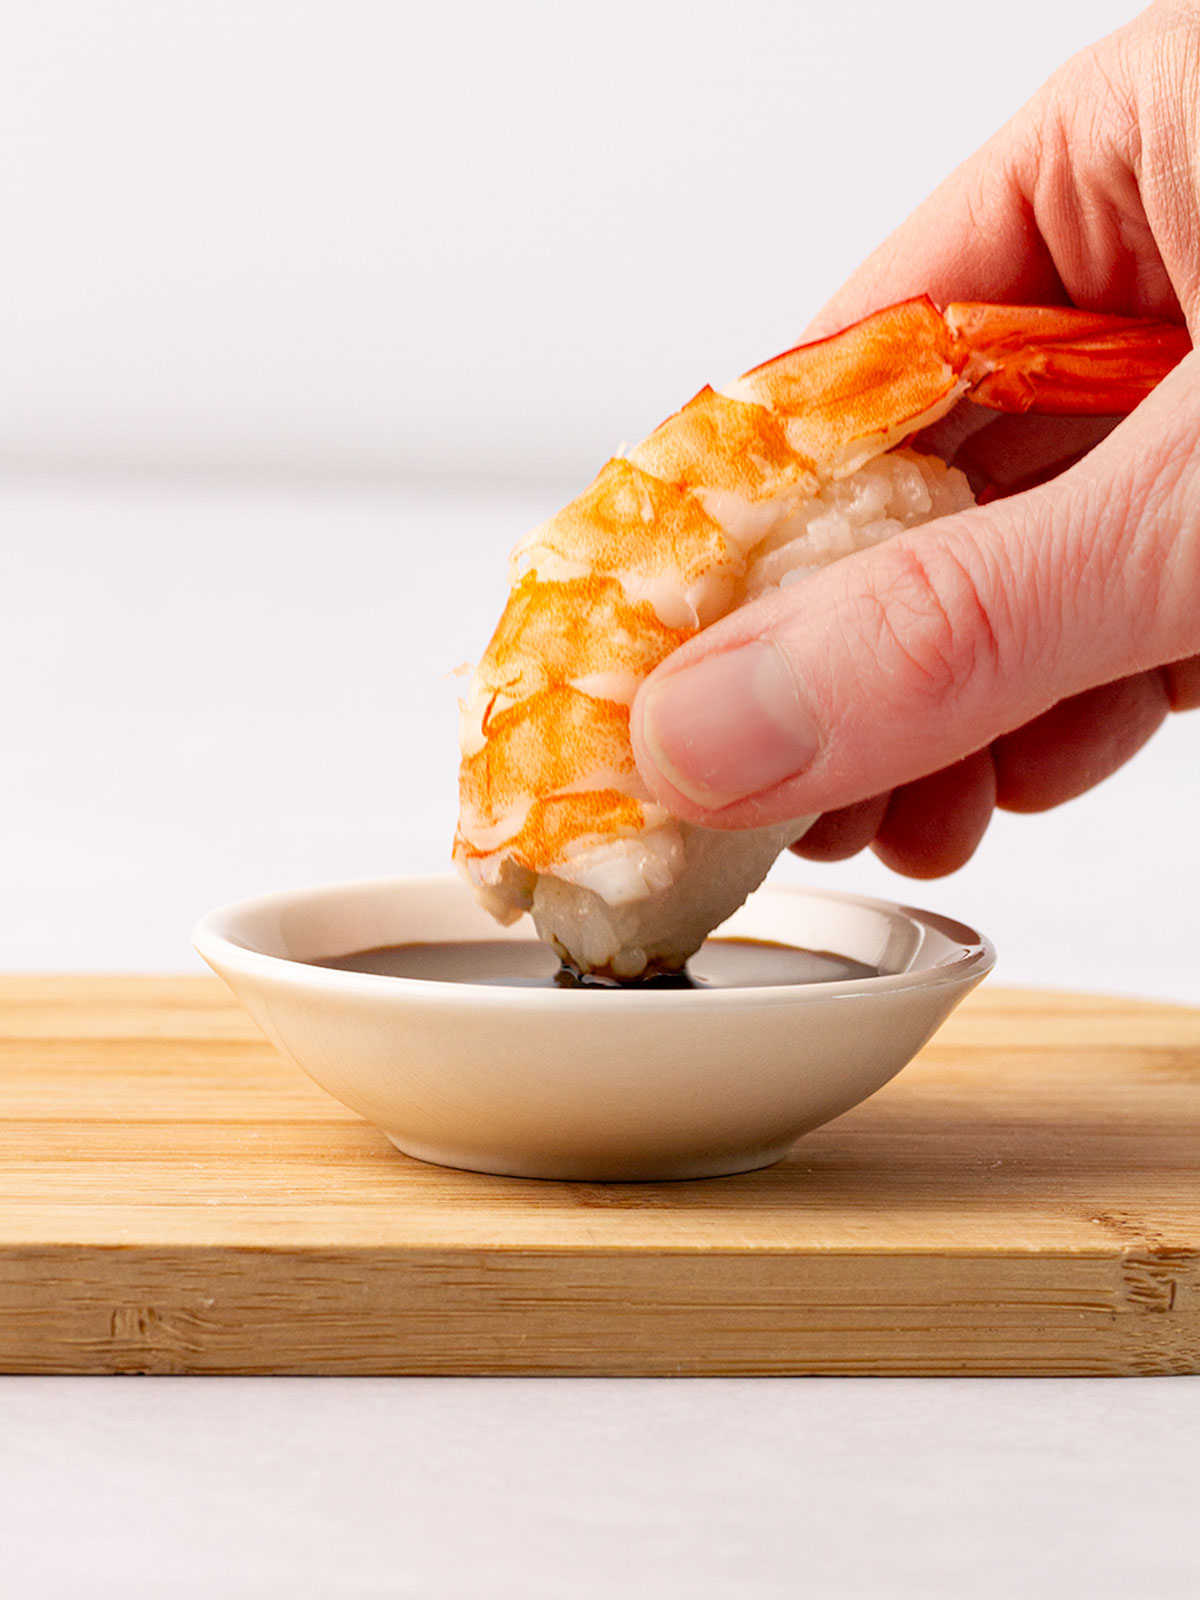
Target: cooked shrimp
x=797, y=463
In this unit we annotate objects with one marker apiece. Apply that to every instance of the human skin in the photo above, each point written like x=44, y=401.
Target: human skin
x=1016, y=654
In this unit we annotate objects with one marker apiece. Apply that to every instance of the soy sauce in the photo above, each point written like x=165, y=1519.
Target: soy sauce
x=529, y=964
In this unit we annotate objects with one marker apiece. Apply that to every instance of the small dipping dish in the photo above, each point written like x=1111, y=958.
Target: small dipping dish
x=623, y=1084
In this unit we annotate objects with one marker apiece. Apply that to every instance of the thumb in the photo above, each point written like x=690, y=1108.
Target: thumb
x=905, y=658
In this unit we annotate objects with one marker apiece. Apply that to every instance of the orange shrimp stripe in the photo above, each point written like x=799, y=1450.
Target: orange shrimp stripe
x=892, y=367
x=551, y=633
x=718, y=443
x=628, y=521
x=562, y=820
x=550, y=741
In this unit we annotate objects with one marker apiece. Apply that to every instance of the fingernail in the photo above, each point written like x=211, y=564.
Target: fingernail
x=729, y=727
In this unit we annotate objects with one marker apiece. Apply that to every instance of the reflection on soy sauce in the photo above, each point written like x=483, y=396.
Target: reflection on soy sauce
x=529, y=964
x=567, y=977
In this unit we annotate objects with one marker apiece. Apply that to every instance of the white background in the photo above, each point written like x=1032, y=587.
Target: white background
x=453, y=242
x=307, y=311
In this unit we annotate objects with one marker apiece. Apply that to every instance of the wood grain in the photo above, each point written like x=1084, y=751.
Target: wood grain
x=175, y=1197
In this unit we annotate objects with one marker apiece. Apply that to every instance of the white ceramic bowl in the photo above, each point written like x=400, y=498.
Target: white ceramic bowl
x=589, y=1084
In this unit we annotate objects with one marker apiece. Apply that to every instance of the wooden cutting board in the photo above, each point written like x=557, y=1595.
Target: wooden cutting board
x=176, y=1197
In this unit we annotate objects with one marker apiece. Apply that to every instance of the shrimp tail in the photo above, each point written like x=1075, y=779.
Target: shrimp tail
x=1061, y=361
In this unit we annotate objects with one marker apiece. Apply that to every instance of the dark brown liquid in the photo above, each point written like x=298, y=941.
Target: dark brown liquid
x=529, y=964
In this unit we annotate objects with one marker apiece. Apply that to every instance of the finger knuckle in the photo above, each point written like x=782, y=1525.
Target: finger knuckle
x=932, y=630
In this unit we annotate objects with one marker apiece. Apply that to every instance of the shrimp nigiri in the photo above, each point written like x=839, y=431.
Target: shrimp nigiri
x=797, y=463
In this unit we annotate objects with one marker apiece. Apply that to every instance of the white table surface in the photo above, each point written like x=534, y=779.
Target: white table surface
x=215, y=691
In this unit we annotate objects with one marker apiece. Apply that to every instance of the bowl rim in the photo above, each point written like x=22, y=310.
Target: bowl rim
x=214, y=941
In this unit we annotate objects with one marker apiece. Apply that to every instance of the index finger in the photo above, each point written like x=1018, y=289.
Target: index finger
x=1048, y=211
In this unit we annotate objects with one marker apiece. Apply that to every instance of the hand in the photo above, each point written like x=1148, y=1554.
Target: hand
x=1016, y=654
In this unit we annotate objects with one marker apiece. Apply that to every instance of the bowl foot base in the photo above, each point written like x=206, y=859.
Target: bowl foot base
x=594, y=1167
